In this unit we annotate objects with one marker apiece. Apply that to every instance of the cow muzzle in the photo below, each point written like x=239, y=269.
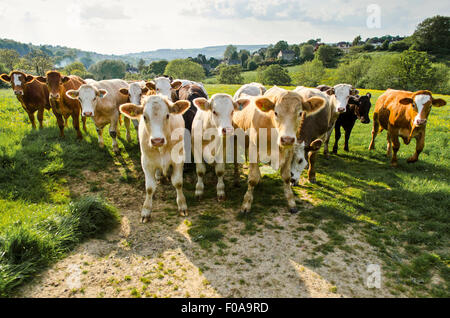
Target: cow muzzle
x=227, y=131
x=420, y=122
x=341, y=109
x=287, y=141
x=158, y=142
x=18, y=93
x=88, y=114
x=54, y=96
x=365, y=120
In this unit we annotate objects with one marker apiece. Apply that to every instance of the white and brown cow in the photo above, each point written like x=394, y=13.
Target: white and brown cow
x=161, y=134
x=248, y=90
x=165, y=86
x=101, y=101
x=212, y=125
x=277, y=110
x=135, y=92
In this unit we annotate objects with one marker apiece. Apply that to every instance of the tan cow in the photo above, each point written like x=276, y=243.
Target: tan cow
x=159, y=119
x=101, y=101
x=403, y=114
x=281, y=110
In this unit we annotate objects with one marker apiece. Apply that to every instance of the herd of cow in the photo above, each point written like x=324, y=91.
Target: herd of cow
x=302, y=120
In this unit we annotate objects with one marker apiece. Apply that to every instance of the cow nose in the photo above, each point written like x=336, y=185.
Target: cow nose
x=420, y=121
x=341, y=109
x=287, y=141
x=157, y=142
x=227, y=131
x=54, y=96
x=87, y=114
x=18, y=92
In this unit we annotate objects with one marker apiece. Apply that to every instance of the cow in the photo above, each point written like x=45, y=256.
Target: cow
x=101, y=101
x=247, y=90
x=63, y=107
x=135, y=92
x=278, y=109
x=215, y=114
x=313, y=135
x=165, y=86
x=403, y=114
x=358, y=107
x=32, y=95
x=189, y=82
x=159, y=118
x=338, y=97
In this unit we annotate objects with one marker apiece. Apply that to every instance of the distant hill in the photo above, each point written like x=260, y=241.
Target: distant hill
x=67, y=55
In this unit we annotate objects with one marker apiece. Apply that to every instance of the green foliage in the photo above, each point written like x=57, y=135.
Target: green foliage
x=274, y=75
x=9, y=58
x=309, y=74
x=353, y=71
x=416, y=71
x=251, y=65
x=433, y=35
x=328, y=55
x=108, y=69
x=185, y=69
x=229, y=51
x=230, y=74
x=155, y=68
x=78, y=69
x=307, y=52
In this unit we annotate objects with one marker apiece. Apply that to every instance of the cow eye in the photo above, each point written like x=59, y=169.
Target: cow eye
x=300, y=161
x=167, y=117
x=214, y=112
x=276, y=114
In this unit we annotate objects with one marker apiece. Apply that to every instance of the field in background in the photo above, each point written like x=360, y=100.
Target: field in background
x=402, y=213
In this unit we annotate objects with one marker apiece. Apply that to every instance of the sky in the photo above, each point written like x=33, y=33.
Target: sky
x=119, y=27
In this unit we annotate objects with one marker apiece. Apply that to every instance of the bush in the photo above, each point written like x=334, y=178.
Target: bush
x=230, y=74
x=353, y=71
x=310, y=74
x=185, y=69
x=108, y=69
x=274, y=75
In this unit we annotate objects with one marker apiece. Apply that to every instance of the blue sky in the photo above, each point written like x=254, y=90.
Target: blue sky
x=117, y=27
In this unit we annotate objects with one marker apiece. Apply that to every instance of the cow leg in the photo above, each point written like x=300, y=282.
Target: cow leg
x=311, y=169
x=76, y=124
x=60, y=121
x=101, y=143
x=40, y=117
x=32, y=120
x=201, y=170
x=327, y=140
x=177, y=181
x=220, y=171
x=236, y=175
x=337, y=136
x=66, y=121
x=420, y=144
x=348, y=132
x=376, y=126
x=395, y=146
x=150, y=187
x=285, y=171
x=254, y=176
x=83, y=119
x=126, y=120
x=389, y=145
x=113, y=133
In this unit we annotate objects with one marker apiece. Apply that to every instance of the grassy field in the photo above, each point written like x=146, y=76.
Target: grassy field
x=402, y=213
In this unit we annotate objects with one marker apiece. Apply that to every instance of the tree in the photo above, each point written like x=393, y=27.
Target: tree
x=38, y=62
x=251, y=65
x=141, y=65
x=244, y=55
x=9, y=58
x=108, y=69
x=433, y=35
x=281, y=46
x=274, y=75
x=357, y=41
x=87, y=61
x=307, y=52
x=156, y=68
x=353, y=71
x=328, y=55
x=185, y=69
x=229, y=51
x=230, y=74
x=416, y=70
x=309, y=74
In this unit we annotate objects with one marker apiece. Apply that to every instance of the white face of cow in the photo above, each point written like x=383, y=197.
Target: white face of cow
x=156, y=119
x=88, y=97
x=299, y=162
x=135, y=93
x=342, y=93
x=420, y=101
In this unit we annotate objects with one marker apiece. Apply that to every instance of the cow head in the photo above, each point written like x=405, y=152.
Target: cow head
x=155, y=113
x=222, y=108
x=342, y=93
x=17, y=80
x=361, y=107
x=287, y=107
x=421, y=102
x=300, y=158
x=88, y=96
x=164, y=86
x=134, y=93
x=54, y=81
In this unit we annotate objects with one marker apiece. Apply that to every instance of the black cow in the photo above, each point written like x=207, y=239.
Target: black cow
x=357, y=108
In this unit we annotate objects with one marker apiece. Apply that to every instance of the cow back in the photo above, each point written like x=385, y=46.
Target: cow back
x=190, y=92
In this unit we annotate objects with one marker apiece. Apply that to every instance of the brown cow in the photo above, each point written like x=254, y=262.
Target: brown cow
x=32, y=94
x=62, y=105
x=403, y=114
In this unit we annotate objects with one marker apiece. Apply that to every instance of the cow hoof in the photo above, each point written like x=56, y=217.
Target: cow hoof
x=394, y=164
x=199, y=197
x=145, y=219
x=183, y=213
x=293, y=210
x=312, y=180
x=244, y=211
x=335, y=151
x=411, y=160
x=346, y=149
x=221, y=198
x=101, y=145
x=116, y=150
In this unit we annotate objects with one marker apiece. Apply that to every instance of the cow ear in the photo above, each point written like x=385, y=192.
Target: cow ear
x=202, y=103
x=65, y=79
x=354, y=92
x=5, y=78
x=131, y=110
x=330, y=91
x=150, y=85
x=102, y=93
x=124, y=91
x=264, y=104
x=144, y=90
x=29, y=78
x=73, y=94
x=369, y=95
x=176, y=85
x=241, y=103
x=438, y=102
x=313, y=105
x=406, y=101
x=316, y=144
x=41, y=79
x=179, y=107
